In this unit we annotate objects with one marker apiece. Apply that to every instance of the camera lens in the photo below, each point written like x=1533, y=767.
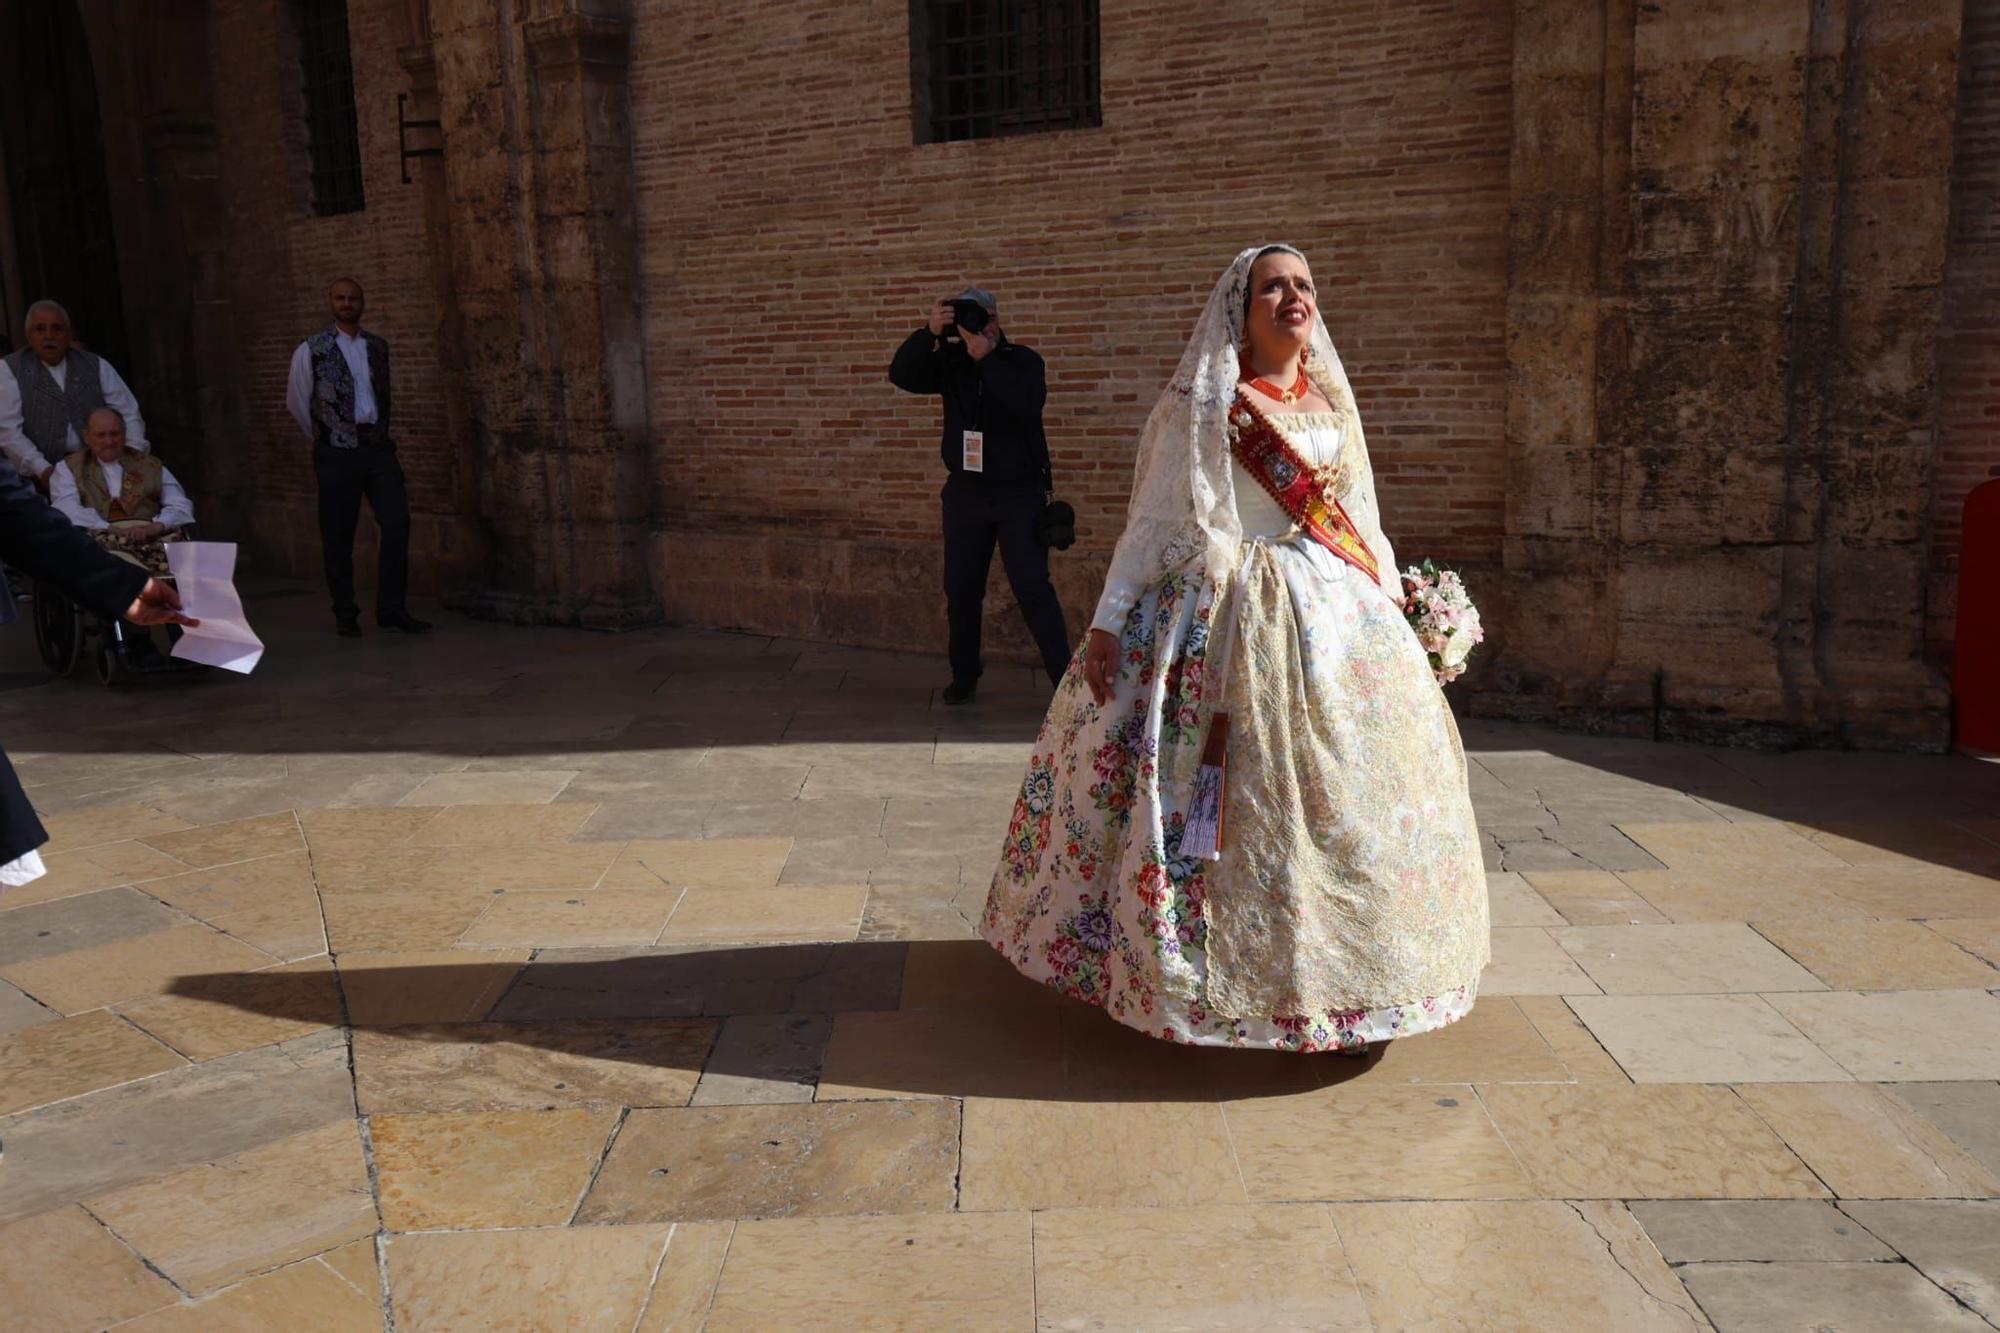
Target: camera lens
x=972, y=316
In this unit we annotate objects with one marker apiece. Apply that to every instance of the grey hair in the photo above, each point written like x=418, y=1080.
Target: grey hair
x=46, y=304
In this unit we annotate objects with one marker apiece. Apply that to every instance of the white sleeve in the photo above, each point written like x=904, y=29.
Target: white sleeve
x=1115, y=604
x=298, y=390
x=120, y=399
x=62, y=494
x=176, y=511
x=14, y=442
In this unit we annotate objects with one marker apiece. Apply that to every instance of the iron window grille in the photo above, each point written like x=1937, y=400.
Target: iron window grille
x=982, y=69
x=332, y=134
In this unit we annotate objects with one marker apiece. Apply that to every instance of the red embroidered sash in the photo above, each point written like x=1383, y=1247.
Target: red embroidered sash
x=1304, y=494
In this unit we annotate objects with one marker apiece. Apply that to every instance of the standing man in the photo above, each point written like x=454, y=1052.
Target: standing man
x=997, y=460
x=339, y=395
x=49, y=388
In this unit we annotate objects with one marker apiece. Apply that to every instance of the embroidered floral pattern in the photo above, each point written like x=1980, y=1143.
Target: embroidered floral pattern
x=1363, y=914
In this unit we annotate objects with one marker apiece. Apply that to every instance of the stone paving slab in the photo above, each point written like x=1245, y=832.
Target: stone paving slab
x=527, y=978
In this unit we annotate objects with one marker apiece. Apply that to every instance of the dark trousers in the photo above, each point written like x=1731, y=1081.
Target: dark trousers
x=977, y=515
x=345, y=477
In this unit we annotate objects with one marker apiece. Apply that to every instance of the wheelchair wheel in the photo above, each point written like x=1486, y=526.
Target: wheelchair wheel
x=109, y=665
x=58, y=629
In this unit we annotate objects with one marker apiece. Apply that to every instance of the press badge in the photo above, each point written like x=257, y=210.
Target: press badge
x=974, y=457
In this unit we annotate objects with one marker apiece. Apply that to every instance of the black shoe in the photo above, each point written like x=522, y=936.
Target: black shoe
x=403, y=621
x=347, y=627
x=960, y=691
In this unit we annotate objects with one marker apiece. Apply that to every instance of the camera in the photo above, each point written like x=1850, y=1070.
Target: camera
x=969, y=316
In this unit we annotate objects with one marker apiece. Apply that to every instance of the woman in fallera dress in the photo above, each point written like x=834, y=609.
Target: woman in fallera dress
x=1246, y=820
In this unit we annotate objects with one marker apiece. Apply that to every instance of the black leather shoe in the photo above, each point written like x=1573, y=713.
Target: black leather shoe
x=403, y=621
x=347, y=627
x=961, y=691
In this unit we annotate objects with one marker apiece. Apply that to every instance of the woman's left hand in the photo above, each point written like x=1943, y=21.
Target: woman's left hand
x=1100, y=664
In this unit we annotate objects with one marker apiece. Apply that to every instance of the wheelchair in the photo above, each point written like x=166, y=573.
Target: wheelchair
x=66, y=634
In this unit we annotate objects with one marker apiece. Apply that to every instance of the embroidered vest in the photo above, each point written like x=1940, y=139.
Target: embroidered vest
x=49, y=410
x=138, y=496
x=333, y=387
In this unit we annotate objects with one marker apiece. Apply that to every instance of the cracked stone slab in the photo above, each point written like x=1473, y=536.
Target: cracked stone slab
x=1826, y=1296
x=1756, y=1231
x=1955, y=1244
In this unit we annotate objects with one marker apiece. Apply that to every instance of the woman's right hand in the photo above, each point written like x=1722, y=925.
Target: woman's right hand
x=1100, y=664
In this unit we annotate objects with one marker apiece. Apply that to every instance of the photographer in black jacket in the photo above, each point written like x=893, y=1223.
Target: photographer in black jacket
x=998, y=460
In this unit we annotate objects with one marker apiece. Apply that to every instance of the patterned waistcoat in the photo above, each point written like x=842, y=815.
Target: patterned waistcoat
x=333, y=388
x=138, y=496
x=49, y=410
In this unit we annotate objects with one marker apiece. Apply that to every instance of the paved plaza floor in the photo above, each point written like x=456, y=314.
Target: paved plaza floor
x=518, y=978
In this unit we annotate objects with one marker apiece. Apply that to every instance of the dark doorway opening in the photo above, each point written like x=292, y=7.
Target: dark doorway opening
x=59, y=197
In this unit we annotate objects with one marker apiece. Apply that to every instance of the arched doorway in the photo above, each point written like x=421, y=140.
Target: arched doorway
x=58, y=198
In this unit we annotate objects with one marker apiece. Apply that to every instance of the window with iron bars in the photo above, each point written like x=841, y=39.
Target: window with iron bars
x=981, y=69
x=331, y=132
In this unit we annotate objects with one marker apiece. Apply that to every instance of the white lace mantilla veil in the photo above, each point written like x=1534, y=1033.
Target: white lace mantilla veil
x=1182, y=514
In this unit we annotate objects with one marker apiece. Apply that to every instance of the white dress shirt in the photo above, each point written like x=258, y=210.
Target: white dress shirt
x=299, y=388
x=15, y=443
x=175, y=509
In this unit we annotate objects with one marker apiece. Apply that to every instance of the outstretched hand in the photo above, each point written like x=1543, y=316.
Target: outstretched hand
x=1100, y=664
x=157, y=604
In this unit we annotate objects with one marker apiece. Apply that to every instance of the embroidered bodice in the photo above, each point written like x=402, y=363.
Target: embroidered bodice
x=1316, y=436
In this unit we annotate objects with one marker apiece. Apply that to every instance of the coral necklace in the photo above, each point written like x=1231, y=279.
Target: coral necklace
x=1300, y=387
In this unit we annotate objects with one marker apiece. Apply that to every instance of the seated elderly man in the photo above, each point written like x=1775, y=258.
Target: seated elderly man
x=127, y=498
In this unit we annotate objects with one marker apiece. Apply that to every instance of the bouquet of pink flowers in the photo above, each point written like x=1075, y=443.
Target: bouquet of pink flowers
x=1443, y=616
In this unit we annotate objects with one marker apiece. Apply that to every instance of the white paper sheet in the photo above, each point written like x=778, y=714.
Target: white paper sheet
x=205, y=575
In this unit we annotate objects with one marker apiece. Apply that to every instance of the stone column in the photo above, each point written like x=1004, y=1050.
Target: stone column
x=462, y=543
x=537, y=180
x=1728, y=238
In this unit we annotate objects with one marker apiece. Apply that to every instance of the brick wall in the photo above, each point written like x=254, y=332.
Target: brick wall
x=1969, y=411
x=791, y=235
x=283, y=257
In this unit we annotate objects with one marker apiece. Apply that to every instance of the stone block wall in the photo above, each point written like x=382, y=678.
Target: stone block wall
x=1724, y=333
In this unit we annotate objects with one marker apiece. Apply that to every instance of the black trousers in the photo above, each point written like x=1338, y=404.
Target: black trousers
x=977, y=516
x=346, y=476
x=21, y=831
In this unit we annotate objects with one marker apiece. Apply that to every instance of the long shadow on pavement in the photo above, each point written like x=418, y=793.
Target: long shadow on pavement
x=926, y=1017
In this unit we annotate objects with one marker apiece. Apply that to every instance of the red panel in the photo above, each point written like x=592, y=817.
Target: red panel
x=1975, y=677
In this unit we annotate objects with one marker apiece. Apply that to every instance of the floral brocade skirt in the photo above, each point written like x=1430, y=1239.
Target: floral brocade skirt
x=1348, y=904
